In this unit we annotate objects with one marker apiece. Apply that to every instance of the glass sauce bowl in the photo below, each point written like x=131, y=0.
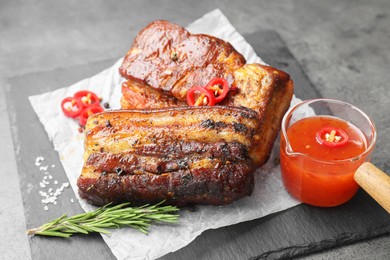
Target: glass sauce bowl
x=322, y=181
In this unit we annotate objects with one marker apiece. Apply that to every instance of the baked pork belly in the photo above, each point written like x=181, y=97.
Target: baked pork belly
x=158, y=148
x=165, y=56
x=184, y=155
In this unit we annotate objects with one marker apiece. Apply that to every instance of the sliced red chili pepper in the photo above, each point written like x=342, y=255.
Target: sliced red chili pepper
x=332, y=137
x=87, y=98
x=89, y=111
x=71, y=107
x=219, y=87
x=198, y=96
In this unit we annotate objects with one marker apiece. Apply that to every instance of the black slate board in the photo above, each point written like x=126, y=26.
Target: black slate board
x=293, y=232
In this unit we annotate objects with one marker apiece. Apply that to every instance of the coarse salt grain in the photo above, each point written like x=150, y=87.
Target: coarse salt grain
x=38, y=160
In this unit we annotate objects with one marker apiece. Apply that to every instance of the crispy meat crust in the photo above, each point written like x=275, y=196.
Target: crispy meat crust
x=186, y=155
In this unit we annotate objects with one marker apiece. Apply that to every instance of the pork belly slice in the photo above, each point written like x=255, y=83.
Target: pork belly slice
x=139, y=96
x=168, y=58
x=184, y=155
x=267, y=91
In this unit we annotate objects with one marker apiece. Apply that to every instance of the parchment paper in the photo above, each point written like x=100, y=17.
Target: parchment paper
x=269, y=195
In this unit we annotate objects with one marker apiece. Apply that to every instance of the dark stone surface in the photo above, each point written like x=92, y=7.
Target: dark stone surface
x=294, y=232
x=342, y=46
x=31, y=141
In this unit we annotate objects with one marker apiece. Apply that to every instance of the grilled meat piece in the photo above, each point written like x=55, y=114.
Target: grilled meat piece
x=268, y=92
x=165, y=56
x=184, y=155
x=138, y=96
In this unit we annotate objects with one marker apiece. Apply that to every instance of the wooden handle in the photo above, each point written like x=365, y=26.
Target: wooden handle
x=374, y=182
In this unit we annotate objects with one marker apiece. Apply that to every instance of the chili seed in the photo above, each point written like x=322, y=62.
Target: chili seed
x=174, y=56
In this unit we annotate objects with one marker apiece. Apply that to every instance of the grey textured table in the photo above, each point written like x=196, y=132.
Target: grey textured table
x=343, y=47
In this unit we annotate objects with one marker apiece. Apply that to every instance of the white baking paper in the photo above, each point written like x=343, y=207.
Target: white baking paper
x=269, y=195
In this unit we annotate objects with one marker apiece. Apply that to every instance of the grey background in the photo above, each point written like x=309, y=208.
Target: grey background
x=343, y=46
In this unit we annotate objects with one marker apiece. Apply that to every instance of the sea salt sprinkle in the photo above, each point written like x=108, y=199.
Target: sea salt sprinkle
x=49, y=193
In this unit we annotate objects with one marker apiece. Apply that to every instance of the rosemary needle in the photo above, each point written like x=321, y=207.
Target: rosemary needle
x=108, y=217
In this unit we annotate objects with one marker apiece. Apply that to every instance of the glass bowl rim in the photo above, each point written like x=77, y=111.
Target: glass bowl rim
x=329, y=100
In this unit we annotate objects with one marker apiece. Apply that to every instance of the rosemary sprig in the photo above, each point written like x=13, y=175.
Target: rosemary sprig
x=108, y=217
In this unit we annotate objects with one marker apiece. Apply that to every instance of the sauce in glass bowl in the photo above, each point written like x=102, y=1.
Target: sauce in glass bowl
x=319, y=156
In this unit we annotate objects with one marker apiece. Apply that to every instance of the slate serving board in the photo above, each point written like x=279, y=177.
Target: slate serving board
x=297, y=231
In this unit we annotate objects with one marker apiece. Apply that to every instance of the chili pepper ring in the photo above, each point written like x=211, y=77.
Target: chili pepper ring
x=192, y=100
x=219, y=87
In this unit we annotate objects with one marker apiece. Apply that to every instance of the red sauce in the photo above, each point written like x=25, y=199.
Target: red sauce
x=321, y=175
